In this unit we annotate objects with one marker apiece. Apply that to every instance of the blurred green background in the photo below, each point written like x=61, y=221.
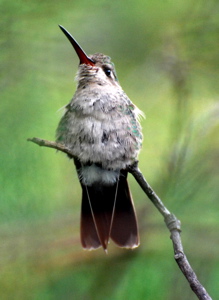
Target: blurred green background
x=166, y=55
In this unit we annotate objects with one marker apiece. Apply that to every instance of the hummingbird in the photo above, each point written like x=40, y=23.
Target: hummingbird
x=101, y=127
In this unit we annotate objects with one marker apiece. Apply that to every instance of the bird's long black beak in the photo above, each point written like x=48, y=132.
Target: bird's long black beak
x=84, y=59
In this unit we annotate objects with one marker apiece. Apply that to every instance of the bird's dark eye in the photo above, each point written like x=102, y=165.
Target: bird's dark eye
x=107, y=72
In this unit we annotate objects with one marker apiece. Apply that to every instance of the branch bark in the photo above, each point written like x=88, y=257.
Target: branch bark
x=172, y=223
x=50, y=144
x=174, y=226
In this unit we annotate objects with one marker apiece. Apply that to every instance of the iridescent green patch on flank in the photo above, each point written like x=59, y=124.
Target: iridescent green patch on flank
x=136, y=133
x=131, y=106
x=62, y=129
x=122, y=109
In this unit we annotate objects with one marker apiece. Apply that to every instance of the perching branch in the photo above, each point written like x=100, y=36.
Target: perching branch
x=50, y=144
x=174, y=226
x=172, y=223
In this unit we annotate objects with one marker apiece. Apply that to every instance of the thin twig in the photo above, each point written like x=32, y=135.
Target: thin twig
x=51, y=144
x=172, y=223
x=174, y=226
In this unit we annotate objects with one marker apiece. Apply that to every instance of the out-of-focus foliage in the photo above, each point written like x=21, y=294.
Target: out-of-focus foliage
x=166, y=55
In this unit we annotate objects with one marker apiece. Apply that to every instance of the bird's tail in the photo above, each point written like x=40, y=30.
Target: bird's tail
x=108, y=212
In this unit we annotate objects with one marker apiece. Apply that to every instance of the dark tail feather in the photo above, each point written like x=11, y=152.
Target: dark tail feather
x=89, y=237
x=124, y=231
x=101, y=219
x=96, y=215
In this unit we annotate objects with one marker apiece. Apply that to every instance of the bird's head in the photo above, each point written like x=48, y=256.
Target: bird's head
x=96, y=68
